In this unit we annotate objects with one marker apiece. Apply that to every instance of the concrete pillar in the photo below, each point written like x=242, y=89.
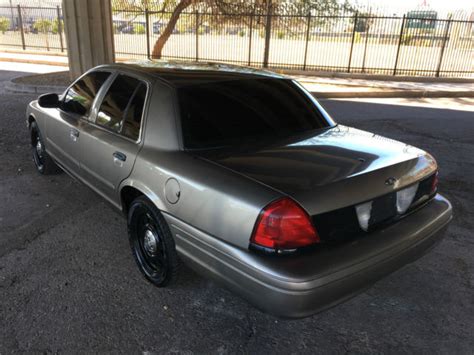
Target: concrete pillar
x=89, y=34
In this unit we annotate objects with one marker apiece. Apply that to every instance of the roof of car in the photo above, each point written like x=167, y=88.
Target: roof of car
x=180, y=73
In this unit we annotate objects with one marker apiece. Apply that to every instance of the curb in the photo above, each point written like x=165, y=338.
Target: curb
x=392, y=94
x=33, y=52
x=47, y=62
x=12, y=87
x=34, y=61
x=374, y=77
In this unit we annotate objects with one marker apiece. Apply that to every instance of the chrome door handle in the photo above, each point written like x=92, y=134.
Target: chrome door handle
x=120, y=156
x=74, y=134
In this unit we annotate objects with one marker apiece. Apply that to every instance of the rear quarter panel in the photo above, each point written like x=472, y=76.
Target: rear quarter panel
x=212, y=199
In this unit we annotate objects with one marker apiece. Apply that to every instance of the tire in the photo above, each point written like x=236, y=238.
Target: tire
x=44, y=163
x=152, y=245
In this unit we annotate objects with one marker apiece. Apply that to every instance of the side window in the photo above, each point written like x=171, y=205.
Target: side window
x=122, y=107
x=80, y=96
x=133, y=115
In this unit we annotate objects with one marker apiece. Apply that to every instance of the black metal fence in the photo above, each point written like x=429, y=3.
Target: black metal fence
x=347, y=42
x=38, y=28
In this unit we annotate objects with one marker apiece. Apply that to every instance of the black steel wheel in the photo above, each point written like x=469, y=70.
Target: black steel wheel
x=152, y=245
x=44, y=163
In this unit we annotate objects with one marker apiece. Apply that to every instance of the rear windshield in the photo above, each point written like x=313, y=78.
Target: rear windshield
x=229, y=113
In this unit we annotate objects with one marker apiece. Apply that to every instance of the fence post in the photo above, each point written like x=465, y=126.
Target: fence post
x=308, y=26
x=352, y=42
x=250, y=38
x=197, y=36
x=12, y=23
x=20, y=23
x=147, y=33
x=268, y=33
x=399, y=44
x=60, y=28
x=443, y=46
x=367, y=29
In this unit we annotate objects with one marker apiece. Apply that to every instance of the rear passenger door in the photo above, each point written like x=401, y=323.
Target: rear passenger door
x=112, y=139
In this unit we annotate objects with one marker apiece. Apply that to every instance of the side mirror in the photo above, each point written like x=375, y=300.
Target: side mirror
x=48, y=100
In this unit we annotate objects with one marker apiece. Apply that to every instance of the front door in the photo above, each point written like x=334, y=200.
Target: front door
x=112, y=141
x=64, y=124
x=62, y=139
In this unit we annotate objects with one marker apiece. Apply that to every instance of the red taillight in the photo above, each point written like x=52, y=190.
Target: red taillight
x=283, y=224
x=434, y=183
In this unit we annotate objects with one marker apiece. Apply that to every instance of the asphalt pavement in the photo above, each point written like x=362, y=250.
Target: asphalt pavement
x=68, y=282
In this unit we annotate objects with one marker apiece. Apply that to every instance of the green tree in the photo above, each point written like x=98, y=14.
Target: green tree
x=4, y=24
x=43, y=25
x=322, y=7
x=364, y=21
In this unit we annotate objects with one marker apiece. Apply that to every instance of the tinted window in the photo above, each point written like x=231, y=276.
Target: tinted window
x=122, y=107
x=80, y=96
x=227, y=113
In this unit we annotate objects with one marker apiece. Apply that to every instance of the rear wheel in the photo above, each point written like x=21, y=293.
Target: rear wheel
x=44, y=163
x=152, y=245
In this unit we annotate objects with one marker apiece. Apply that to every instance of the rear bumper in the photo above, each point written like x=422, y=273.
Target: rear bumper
x=301, y=285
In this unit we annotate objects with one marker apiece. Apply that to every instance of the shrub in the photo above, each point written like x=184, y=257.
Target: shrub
x=55, y=27
x=407, y=39
x=4, y=24
x=43, y=25
x=241, y=33
x=138, y=28
x=357, y=37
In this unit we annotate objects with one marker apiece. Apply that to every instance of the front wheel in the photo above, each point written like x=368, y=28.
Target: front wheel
x=44, y=163
x=152, y=245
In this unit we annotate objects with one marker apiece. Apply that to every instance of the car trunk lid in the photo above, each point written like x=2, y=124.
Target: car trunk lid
x=339, y=167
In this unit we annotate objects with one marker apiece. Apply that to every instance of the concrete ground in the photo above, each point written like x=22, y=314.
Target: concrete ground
x=68, y=282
